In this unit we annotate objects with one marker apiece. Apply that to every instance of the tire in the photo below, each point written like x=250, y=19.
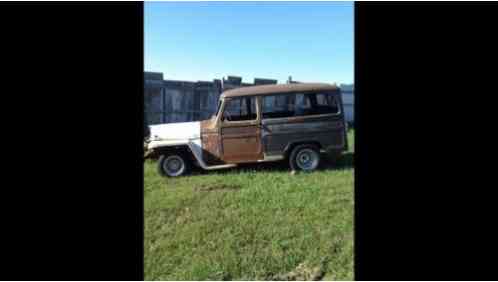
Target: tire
x=173, y=165
x=305, y=158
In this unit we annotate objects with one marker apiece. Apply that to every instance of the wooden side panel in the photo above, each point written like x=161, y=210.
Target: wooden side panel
x=241, y=144
x=278, y=133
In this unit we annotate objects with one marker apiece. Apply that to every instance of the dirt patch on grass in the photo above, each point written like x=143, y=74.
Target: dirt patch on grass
x=302, y=272
x=217, y=187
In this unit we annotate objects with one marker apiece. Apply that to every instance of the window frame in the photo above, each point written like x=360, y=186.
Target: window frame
x=238, y=122
x=336, y=95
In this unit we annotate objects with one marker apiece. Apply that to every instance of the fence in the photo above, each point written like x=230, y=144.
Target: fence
x=167, y=101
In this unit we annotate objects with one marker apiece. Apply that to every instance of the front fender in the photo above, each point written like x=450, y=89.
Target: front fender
x=154, y=148
x=194, y=147
x=166, y=143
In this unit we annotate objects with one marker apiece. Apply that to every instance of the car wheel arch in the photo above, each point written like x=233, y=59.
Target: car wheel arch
x=289, y=147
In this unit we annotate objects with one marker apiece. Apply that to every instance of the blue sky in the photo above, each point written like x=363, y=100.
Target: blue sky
x=311, y=41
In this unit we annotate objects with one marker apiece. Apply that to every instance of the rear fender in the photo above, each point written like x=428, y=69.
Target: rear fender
x=292, y=145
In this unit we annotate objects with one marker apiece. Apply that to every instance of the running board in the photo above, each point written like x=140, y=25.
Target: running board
x=272, y=158
x=219, y=166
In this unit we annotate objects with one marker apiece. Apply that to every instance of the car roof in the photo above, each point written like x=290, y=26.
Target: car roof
x=270, y=89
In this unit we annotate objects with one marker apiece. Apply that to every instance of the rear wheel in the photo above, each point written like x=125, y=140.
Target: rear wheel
x=305, y=158
x=173, y=165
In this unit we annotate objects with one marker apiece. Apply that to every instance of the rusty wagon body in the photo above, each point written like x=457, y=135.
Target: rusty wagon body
x=256, y=124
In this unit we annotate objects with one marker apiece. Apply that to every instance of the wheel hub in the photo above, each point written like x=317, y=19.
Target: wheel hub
x=307, y=159
x=173, y=165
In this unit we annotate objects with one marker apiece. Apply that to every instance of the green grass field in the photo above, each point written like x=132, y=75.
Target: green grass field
x=257, y=222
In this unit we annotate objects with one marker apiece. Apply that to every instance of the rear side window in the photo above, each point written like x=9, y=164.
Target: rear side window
x=325, y=104
x=239, y=109
x=278, y=106
x=299, y=104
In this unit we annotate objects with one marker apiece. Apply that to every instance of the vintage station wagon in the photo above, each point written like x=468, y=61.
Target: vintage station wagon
x=294, y=122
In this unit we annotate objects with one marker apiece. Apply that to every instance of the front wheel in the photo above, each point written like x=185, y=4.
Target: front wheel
x=305, y=158
x=172, y=165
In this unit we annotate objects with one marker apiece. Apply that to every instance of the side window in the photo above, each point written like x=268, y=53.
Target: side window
x=299, y=104
x=327, y=103
x=316, y=104
x=239, y=109
x=278, y=106
x=321, y=100
x=303, y=105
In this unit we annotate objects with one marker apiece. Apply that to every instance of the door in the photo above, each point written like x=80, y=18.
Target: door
x=240, y=131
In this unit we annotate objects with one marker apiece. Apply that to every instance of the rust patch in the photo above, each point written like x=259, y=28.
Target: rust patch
x=242, y=144
x=211, y=149
x=279, y=88
x=211, y=143
x=208, y=126
x=239, y=132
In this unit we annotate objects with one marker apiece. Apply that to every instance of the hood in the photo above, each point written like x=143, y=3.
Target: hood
x=176, y=131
